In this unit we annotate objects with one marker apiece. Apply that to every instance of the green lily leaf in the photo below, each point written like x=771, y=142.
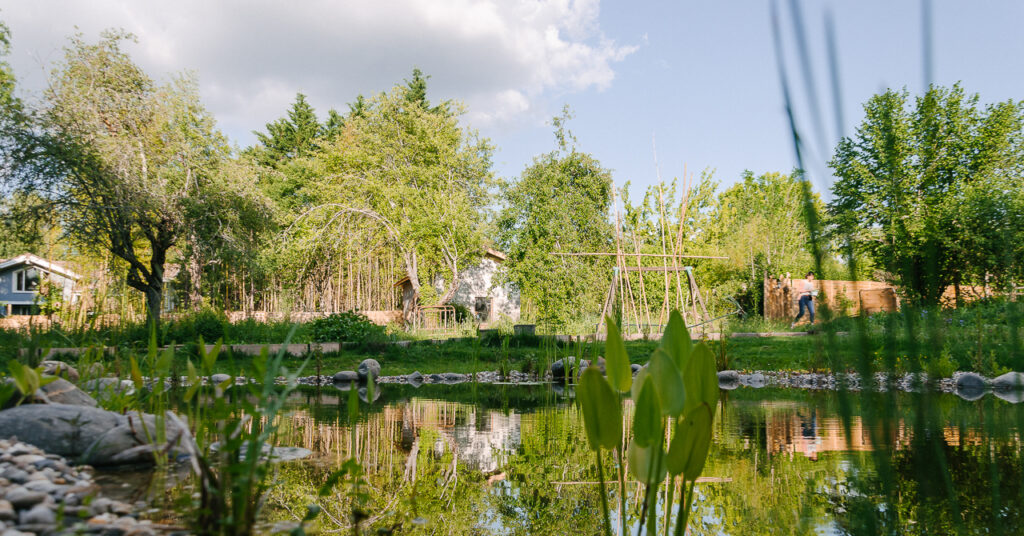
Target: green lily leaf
x=602, y=411
x=616, y=360
x=641, y=462
x=701, y=379
x=648, y=424
x=690, y=444
x=676, y=340
x=668, y=383
x=194, y=382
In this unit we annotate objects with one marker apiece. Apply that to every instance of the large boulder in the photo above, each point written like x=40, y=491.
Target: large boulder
x=345, y=376
x=369, y=367
x=1008, y=381
x=93, y=435
x=61, y=391
x=969, y=382
x=60, y=368
x=728, y=379
x=415, y=379
x=58, y=428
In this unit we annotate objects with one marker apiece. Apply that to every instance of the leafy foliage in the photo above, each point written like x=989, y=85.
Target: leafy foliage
x=559, y=203
x=349, y=326
x=931, y=193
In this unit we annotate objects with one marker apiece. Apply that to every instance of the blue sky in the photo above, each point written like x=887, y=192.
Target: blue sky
x=698, y=76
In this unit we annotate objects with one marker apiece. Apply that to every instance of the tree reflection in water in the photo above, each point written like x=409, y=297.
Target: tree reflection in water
x=447, y=460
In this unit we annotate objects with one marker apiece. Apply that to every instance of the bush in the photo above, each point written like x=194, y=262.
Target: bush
x=209, y=325
x=349, y=326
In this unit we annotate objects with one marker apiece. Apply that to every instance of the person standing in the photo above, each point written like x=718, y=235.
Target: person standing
x=806, y=296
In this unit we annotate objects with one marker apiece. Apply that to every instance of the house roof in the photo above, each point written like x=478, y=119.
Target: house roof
x=39, y=262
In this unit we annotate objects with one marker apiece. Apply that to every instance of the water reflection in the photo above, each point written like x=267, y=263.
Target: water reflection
x=508, y=460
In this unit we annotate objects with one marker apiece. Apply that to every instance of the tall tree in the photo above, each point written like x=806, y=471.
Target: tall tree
x=293, y=136
x=560, y=203
x=416, y=175
x=119, y=158
x=906, y=177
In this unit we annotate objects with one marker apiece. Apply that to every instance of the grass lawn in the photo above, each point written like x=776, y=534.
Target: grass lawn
x=777, y=353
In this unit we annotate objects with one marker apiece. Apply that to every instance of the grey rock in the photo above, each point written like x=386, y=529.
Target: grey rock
x=346, y=376
x=451, y=377
x=43, y=486
x=367, y=368
x=39, y=514
x=61, y=391
x=218, y=379
x=755, y=380
x=558, y=369
x=364, y=393
x=13, y=474
x=415, y=379
x=1013, y=396
x=435, y=378
x=98, y=436
x=60, y=368
x=342, y=386
x=99, y=505
x=103, y=388
x=22, y=498
x=1008, y=381
x=285, y=454
x=969, y=382
x=635, y=367
x=59, y=428
x=728, y=379
x=600, y=364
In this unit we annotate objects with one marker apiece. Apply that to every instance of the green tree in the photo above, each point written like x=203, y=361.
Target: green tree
x=292, y=136
x=560, y=203
x=119, y=158
x=912, y=184
x=417, y=176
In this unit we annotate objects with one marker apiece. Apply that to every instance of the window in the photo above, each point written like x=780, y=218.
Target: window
x=21, y=310
x=26, y=280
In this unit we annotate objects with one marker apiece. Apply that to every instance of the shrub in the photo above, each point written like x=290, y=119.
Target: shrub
x=209, y=325
x=349, y=326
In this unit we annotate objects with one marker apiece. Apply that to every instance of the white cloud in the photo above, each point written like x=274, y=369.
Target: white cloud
x=501, y=57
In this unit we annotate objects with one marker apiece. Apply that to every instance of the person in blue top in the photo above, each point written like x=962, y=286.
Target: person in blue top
x=806, y=296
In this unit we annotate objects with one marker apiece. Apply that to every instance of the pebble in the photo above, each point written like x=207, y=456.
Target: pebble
x=35, y=486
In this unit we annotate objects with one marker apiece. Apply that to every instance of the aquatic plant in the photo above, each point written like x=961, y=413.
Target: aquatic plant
x=675, y=399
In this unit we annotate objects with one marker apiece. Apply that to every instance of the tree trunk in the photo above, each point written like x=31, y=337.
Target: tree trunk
x=195, y=275
x=411, y=270
x=154, y=299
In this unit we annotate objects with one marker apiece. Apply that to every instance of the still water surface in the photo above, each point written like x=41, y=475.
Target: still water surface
x=505, y=459
x=509, y=459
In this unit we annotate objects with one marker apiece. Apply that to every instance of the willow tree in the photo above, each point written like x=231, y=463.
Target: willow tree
x=415, y=175
x=121, y=158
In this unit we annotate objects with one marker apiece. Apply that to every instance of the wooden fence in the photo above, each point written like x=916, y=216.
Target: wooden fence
x=852, y=297
x=843, y=297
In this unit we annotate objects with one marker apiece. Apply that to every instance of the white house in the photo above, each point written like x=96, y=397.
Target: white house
x=478, y=290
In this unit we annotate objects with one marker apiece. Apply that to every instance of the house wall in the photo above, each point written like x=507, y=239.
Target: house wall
x=9, y=296
x=478, y=281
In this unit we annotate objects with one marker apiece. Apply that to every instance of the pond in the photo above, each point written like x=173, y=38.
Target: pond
x=507, y=459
